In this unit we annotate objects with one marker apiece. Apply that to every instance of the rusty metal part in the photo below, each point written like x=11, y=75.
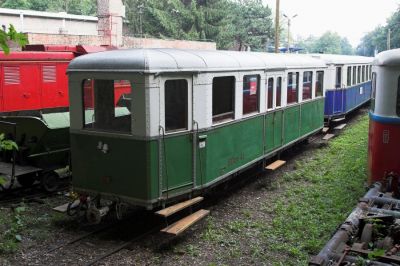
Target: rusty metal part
x=366, y=235
x=341, y=259
x=384, y=258
x=393, y=250
x=346, y=230
x=395, y=214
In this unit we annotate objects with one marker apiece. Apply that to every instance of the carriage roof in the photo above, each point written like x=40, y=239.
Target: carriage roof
x=178, y=60
x=388, y=58
x=343, y=59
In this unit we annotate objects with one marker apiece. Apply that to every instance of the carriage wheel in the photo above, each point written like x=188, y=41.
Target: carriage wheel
x=49, y=182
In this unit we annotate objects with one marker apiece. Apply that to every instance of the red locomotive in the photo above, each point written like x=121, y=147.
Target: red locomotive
x=384, y=129
x=35, y=79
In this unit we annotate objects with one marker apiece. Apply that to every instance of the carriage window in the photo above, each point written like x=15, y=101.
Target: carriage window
x=338, y=77
x=307, y=85
x=370, y=71
x=359, y=74
x=348, y=76
x=251, y=91
x=373, y=91
x=363, y=74
x=354, y=75
x=270, y=93
x=398, y=98
x=104, y=107
x=223, y=98
x=278, y=91
x=293, y=87
x=176, y=105
x=319, y=84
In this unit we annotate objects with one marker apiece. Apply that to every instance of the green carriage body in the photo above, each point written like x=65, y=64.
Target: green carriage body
x=148, y=165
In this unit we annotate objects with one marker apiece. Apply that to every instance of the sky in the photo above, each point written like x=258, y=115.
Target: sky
x=349, y=18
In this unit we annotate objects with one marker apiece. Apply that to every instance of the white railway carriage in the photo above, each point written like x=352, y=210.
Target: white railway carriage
x=194, y=118
x=348, y=83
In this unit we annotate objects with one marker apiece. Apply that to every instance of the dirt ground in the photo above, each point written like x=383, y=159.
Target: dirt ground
x=230, y=235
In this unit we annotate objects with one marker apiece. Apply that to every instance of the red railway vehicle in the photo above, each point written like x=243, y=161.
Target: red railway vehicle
x=35, y=79
x=384, y=128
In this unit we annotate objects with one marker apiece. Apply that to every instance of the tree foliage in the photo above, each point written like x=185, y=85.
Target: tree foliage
x=328, y=43
x=11, y=35
x=376, y=40
x=79, y=7
x=248, y=22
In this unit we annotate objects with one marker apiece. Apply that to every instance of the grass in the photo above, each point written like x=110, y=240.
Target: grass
x=319, y=195
x=312, y=201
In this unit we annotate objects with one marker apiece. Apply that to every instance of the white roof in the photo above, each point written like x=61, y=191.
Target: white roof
x=180, y=60
x=388, y=58
x=335, y=59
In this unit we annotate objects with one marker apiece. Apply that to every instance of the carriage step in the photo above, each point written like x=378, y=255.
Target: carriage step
x=178, y=207
x=325, y=129
x=339, y=119
x=275, y=165
x=183, y=224
x=339, y=127
x=328, y=136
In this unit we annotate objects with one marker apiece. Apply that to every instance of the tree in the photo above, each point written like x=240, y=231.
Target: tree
x=16, y=4
x=328, y=43
x=252, y=24
x=376, y=40
x=11, y=35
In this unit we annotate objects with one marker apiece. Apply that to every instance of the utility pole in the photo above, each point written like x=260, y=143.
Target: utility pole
x=388, y=39
x=277, y=27
x=288, y=30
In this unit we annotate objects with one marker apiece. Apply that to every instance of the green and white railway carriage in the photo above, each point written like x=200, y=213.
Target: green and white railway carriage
x=192, y=119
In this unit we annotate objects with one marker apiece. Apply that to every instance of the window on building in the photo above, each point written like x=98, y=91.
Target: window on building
x=398, y=97
x=293, y=87
x=338, y=77
x=307, y=84
x=319, y=84
x=176, y=105
x=223, y=98
x=359, y=74
x=374, y=92
x=278, y=91
x=354, y=75
x=101, y=110
x=251, y=91
x=270, y=93
x=348, y=76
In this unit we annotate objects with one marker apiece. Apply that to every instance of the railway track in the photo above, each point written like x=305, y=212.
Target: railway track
x=95, y=246
x=31, y=194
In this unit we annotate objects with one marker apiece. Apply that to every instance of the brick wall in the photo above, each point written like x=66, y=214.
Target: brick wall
x=128, y=42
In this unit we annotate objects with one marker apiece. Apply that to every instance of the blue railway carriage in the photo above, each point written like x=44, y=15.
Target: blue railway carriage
x=192, y=119
x=348, y=83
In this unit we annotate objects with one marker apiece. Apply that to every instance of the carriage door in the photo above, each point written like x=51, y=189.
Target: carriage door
x=176, y=136
x=274, y=115
x=339, y=92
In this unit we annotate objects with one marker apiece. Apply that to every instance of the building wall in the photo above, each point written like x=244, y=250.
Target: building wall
x=47, y=22
x=128, y=42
